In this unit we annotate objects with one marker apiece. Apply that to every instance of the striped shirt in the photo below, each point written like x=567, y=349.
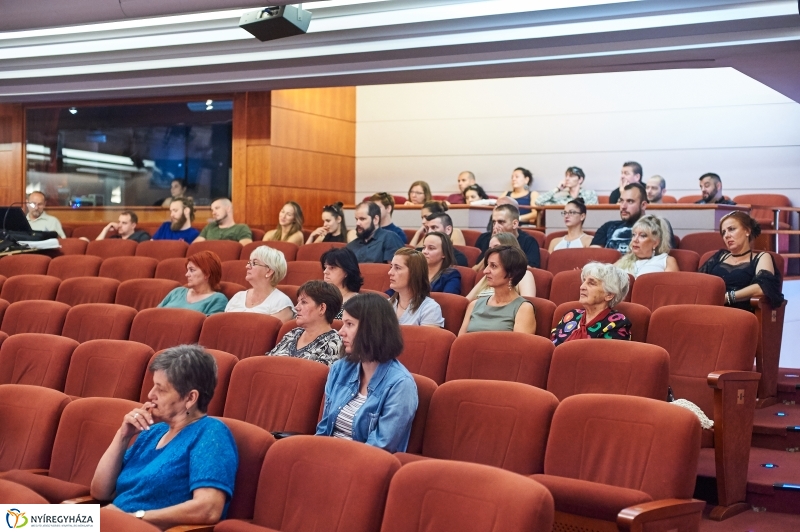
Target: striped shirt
x=344, y=421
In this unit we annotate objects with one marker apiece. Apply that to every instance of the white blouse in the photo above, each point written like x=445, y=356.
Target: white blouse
x=655, y=264
x=275, y=302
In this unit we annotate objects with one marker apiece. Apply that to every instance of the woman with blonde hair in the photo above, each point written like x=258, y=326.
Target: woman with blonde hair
x=526, y=287
x=649, y=248
x=265, y=269
x=290, y=225
x=419, y=193
x=408, y=277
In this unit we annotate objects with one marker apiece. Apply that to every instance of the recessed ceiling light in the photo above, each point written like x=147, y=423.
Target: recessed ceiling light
x=73, y=111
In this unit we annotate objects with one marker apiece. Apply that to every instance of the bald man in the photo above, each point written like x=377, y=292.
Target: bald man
x=223, y=227
x=40, y=220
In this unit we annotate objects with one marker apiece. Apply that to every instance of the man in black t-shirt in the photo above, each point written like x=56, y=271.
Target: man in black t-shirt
x=505, y=219
x=711, y=188
x=124, y=228
x=631, y=173
x=617, y=234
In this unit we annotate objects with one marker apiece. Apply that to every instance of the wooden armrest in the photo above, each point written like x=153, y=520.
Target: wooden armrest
x=718, y=378
x=763, y=302
x=87, y=499
x=191, y=528
x=675, y=513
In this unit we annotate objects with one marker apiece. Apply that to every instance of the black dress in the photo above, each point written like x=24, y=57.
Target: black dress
x=743, y=275
x=331, y=238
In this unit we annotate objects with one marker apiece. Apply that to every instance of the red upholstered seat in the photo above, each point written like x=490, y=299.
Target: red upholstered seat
x=468, y=277
x=288, y=249
x=544, y=310
x=162, y=249
x=13, y=493
x=425, y=389
x=161, y=328
x=691, y=198
x=426, y=350
x=472, y=253
x=230, y=289
x=36, y=359
x=45, y=317
x=537, y=235
x=570, y=259
x=470, y=236
x=174, y=269
x=639, y=316
x=234, y=271
x=290, y=291
x=656, y=290
x=314, y=252
x=766, y=217
x=225, y=249
x=69, y=266
x=244, y=334
x=143, y=294
x=72, y=246
x=24, y=263
x=703, y=242
x=543, y=280
x=688, y=260
x=454, y=307
x=80, y=290
x=27, y=287
x=376, y=276
x=298, y=272
x=94, y=321
x=108, y=368
x=89, y=231
x=112, y=247
x=126, y=268
x=544, y=259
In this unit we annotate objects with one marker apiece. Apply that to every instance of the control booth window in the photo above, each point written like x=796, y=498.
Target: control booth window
x=137, y=155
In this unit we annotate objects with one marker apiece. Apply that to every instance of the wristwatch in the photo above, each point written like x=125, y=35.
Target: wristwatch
x=139, y=514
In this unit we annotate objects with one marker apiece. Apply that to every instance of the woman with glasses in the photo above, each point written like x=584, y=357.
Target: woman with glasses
x=574, y=214
x=408, y=277
x=333, y=227
x=521, y=181
x=570, y=188
x=265, y=269
x=419, y=193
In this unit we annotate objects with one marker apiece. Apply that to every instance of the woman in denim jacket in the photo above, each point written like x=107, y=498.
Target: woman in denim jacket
x=370, y=397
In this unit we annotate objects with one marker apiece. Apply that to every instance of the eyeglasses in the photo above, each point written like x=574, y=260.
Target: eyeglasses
x=252, y=263
x=570, y=213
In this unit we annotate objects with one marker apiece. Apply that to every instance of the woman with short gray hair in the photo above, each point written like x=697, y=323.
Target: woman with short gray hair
x=264, y=271
x=182, y=467
x=603, y=287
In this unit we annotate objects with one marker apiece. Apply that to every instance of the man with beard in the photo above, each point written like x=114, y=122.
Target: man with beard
x=656, y=187
x=372, y=244
x=632, y=206
x=223, y=227
x=181, y=215
x=711, y=188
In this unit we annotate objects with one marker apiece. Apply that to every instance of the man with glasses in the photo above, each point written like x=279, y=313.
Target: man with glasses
x=570, y=188
x=40, y=220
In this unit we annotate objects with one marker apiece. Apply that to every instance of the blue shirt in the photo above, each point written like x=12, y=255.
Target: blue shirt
x=399, y=232
x=380, y=247
x=385, y=419
x=165, y=232
x=202, y=455
x=214, y=303
x=449, y=282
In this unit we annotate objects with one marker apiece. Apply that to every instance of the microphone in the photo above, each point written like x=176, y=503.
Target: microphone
x=5, y=217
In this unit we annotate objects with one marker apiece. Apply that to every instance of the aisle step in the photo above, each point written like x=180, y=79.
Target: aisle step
x=777, y=427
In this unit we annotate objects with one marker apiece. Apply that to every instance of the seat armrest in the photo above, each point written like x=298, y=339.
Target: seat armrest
x=191, y=528
x=678, y=514
x=718, y=379
x=88, y=499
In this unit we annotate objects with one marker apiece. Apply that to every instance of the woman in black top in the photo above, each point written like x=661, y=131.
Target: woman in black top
x=333, y=227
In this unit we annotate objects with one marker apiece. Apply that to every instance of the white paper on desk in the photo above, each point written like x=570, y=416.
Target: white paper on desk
x=484, y=202
x=50, y=243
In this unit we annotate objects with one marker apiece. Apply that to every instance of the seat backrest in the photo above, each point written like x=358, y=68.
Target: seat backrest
x=162, y=249
x=727, y=342
x=425, y=389
x=161, y=328
x=225, y=249
x=112, y=247
x=376, y=276
x=656, y=290
x=501, y=424
x=767, y=200
x=467, y=497
x=543, y=280
x=244, y=334
x=36, y=359
x=277, y=393
x=544, y=259
x=468, y=277
x=426, y=350
x=234, y=271
x=666, y=198
x=539, y=236
x=94, y=321
x=703, y=242
x=46, y=317
x=68, y=266
x=314, y=252
x=471, y=253
x=28, y=287
x=25, y=263
x=638, y=315
x=79, y=290
x=298, y=272
x=230, y=289
x=126, y=268
x=30, y=417
x=570, y=259
x=660, y=443
x=72, y=246
x=143, y=294
x=502, y=356
x=349, y=481
x=597, y=366
x=289, y=249
x=89, y=231
x=290, y=290
x=470, y=236
x=108, y=368
x=174, y=269
x=3, y=307
x=454, y=307
x=691, y=198
x=688, y=260
x=544, y=310
x=566, y=286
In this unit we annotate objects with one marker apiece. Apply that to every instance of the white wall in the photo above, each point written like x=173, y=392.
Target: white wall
x=676, y=123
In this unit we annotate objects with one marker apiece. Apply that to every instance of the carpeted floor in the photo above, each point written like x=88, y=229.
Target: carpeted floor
x=754, y=522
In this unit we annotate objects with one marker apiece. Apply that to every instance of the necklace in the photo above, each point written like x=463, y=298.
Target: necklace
x=749, y=251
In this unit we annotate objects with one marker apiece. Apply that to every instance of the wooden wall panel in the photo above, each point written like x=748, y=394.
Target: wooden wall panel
x=12, y=187
x=304, y=169
x=305, y=131
x=335, y=102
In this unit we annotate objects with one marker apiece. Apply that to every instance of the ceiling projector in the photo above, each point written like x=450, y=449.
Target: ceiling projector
x=276, y=22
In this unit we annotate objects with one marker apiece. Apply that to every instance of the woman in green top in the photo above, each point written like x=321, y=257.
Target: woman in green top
x=203, y=273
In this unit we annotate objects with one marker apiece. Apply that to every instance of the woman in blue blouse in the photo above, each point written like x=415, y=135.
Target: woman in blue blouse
x=203, y=274
x=370, y=397
x=438, y=251
x=182, y=467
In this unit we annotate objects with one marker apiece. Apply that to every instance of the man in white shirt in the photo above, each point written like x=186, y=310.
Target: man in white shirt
x=40, y=220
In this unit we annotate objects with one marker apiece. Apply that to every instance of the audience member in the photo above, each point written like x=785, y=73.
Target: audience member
x=201, y=293
x=438, y=251
x=570, y=188
x=265, y=270
x=526, y=287
x=711, y=189
x=40, y=220
x=333, y=229
x=419, y=193
x=505, y=219
x=505, y=309
x=385, y=203
x=372, y=243
x=181, y=215
x=649, y=248
x=124, y=228
x=428, y=210
x=182, y=467
x=408, y=277
x=617, y=234
x=574, y=215
x=442, y=223
x=370, y=397
x=746, y=273
x=313, y=338
x=656, y=188
x=464, y=180
x=474, y=193
x=631, y=173
x=340, y=268
x=223, y=227
x=290, y=225
x=521, y=181
x=502, y=200
x=177, y=189
x=604, y=287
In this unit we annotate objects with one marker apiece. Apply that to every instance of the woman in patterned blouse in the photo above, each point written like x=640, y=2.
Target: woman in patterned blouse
x=313, y=338
x=604, y=286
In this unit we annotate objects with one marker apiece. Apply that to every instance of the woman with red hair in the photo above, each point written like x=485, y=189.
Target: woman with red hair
x=203, y=273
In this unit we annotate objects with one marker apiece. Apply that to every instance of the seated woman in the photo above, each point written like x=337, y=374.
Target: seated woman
x=438, y=251
x=746, y=273
x=333, y=227
x=177, y=189
x=182, y=467
x=574, y=214
x=340, y=268
x=474, y=193
x=203, y=274
x=265, y=270
x=604, y=286
x=526, y=287
x=313, y=338
x=429, y=208
x=649, y=249
x=505, y=309
x=570, y=188
x=408, y=277
x=419, y=193
x=521, y=181
x=370, y=397
x=290, y=225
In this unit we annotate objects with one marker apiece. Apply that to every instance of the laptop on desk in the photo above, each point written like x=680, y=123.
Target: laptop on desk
x=14, y=225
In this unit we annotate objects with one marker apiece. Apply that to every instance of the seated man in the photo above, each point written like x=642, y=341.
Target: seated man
x=505, y=219
x=223, y=227
x=656, y=188
x=617, y=234
x=465, y=179
x=181, y=214
x=40, y=220
x=631, y=173
x=441, y=222
x=125, y=228
x=385, y=203
x=372, y=243
x=711, y=188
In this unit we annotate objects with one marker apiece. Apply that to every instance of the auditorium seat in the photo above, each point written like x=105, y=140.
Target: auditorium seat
x=656, y=290
x=537, y=235
x=666, y=198
x=174, y=269
x=3, y=280
x=425, y=389
x=594, y=487
x=544, y=259
x=127, y=268
x=46, y=317
x=426, y=350
x=703, y=242
x=470, y=236
x=258, y=233
x=298, y=272
x=544, y=310
x=288, y=249
x=688, y=260
x=468, y=277
x=12, y=493
x=290, y=291
x=244, y=334
x=639, y=316
x=603, y=199
x=3, y=307
x=79, y=290
x=162, y=249
x=95, y=321
x=597, y=366
x=570, y=259
x=108, y=368
x=29, y=287
x=543, y=281
x=454, y=307
x=766, y=217
x=30, y=417
x=24, y=263
x=472, y=254
x=277, y=393
x=143, y=294
x=348, y=480
x=234, y=271
x=72, y=246
x=112, y=520
x=36, y=359
x=112, y=247
x=691, y=198
x=161, y=328
x=89, y=231
x=469, y=497
x=314, y=252
x=225, y=249
x=69, y=266
x=502, y=356
x=230, y=289
x=376, y=276
x=3, y=336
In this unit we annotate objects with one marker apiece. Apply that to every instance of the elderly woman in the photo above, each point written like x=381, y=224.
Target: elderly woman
x=604, y=286
x=570, y=188
x=340, y=268
x=182, y=466
x=649, y=248
x=526, y=287
x=435, y=207
x=408, y=277
x=313, y=338
x=505, y=309
x=333, y=227
x=438, y=251
x=370, y=397
x=265, y=269
x=746, y=273
x=574, y=214
x=290, y=225
x=419, y=193
x=203, y=274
